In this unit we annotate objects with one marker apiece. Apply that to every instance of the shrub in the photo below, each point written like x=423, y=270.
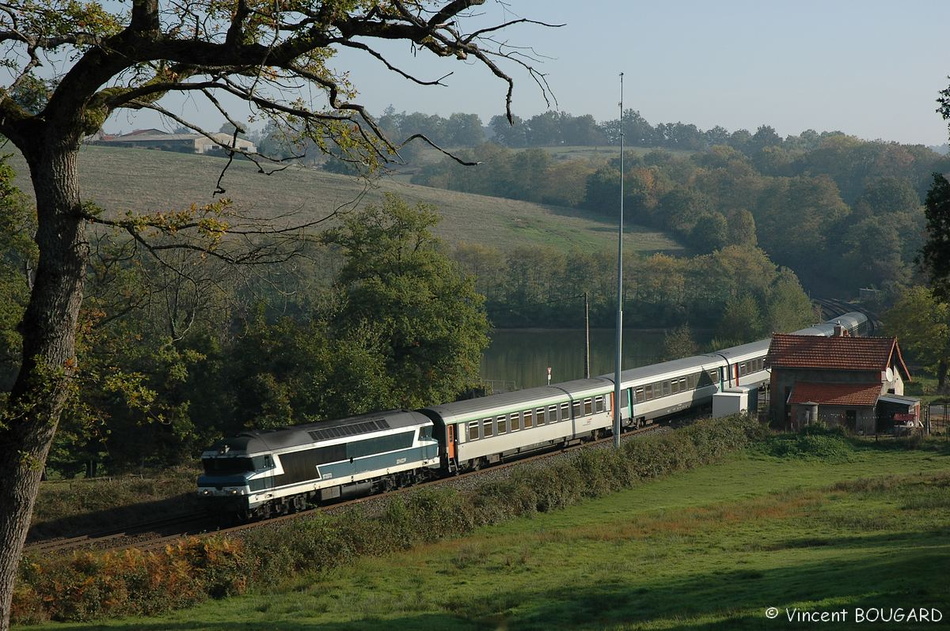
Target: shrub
x=814, y=442
x=88, y=586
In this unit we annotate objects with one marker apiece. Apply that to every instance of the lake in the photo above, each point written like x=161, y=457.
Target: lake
x=519, y=358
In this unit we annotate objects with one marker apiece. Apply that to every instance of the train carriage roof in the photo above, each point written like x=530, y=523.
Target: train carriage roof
x=517, y=400
x=668, y=370
x=743, y=351
x=260, y=441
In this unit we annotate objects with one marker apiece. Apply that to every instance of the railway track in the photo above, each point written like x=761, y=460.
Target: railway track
x=156, y=534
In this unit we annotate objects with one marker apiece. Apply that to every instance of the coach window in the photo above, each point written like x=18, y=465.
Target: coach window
x=528, y=419
x=639, y=395
x=666, y=388
x=565, y=412
x=502, y=424
x=588, y=407
x=473, y=430
x=599, y=404
x=576, y=406
x=515, y=421
x=552, y=414
x=487, y=428
x=648, y=391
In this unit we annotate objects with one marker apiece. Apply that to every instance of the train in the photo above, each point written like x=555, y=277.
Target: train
x=261, y=473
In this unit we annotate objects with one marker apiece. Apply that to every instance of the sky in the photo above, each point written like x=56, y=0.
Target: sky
x=869, y=68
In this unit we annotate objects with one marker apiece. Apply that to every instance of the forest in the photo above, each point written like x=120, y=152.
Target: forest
x=842, y=212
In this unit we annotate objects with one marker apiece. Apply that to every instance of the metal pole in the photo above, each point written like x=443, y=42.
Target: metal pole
x=587, y=336
x=618, y=365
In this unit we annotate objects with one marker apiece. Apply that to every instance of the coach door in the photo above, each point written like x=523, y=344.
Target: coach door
x=451, y=462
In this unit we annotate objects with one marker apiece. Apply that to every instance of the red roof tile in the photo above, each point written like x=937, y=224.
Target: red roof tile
x=865, y=394
x=837, y=353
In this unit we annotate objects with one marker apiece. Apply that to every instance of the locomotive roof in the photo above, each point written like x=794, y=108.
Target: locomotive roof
x=258, y=441
x=520, y=399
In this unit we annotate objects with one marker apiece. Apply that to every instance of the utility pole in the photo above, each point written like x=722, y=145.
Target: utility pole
x=618, y=364
x=587, y=336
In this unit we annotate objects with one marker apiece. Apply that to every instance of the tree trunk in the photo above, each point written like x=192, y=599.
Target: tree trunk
x=41, y=389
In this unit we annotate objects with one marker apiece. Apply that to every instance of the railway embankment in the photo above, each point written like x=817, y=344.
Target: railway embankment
x=87, y=585
x=90, y=586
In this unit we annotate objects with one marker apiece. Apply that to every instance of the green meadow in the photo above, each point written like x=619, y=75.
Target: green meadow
x=852, y=533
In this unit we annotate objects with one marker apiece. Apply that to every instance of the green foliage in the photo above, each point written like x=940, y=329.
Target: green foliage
x=678, y=343
x=935, y=255
x=18, y=255
x=814, y=442
x=398, y=288
x=921, y=323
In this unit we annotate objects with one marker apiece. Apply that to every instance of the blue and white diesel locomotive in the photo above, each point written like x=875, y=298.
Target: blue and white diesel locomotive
x=263, y=472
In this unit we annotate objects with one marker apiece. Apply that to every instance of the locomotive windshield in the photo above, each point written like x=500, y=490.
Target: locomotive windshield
x=230, y=466
x=226, y=466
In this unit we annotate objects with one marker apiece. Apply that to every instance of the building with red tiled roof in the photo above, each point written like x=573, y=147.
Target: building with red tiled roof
x=837, y=380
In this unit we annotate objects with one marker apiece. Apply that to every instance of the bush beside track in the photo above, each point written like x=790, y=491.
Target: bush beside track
x=87, y=586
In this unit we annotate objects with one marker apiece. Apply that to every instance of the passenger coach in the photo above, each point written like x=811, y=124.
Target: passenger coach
x=479, y=432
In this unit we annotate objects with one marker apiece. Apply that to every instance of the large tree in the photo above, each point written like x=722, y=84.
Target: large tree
x=111, y=56
x=398, y=288
x=921, y=321
x=935, y=255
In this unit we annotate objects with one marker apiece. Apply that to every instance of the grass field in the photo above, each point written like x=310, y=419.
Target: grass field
x=856, y=532
x=139, y=179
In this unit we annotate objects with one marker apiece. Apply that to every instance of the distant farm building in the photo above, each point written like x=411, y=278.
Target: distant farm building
x=182, y=143
x=852, y=382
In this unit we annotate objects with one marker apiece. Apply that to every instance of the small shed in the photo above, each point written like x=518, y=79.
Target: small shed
x=738, y=400
x=898, y=415
x=835, y=404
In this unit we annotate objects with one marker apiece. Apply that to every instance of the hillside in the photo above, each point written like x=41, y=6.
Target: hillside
x=139, y=179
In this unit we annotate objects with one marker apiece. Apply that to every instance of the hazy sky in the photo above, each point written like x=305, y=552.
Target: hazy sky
x=870, y=68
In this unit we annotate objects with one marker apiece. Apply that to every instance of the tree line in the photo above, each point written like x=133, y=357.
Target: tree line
x=845, y=215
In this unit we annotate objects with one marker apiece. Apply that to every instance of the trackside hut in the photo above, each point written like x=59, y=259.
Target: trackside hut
x=836, y=380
